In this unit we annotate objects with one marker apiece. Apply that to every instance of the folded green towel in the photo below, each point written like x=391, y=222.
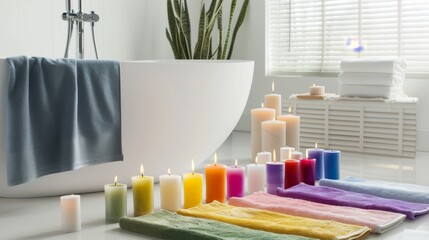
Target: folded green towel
x=168, y=225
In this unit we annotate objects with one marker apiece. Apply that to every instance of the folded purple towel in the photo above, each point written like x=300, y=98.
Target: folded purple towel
x=333, y=196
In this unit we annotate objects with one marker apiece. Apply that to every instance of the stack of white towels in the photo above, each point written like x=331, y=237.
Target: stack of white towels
x=372, y=78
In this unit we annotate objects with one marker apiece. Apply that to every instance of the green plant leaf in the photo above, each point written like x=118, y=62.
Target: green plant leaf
x=173, y=46
x=220, y=36
x=201, y=29
x=172, y=27
x=240, y=21
x=231, y=16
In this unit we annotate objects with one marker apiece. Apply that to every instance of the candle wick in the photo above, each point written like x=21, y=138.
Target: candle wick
x=115, y=183
x=142, y=174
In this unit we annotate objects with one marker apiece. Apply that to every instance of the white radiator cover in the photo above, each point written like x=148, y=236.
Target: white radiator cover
x=375, y=127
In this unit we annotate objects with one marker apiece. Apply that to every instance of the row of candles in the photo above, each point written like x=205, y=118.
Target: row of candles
x=222, y=183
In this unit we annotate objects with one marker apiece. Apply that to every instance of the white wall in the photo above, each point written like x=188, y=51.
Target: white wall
x=254, y=48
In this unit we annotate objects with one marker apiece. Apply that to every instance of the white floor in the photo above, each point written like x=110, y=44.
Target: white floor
x=39, y=218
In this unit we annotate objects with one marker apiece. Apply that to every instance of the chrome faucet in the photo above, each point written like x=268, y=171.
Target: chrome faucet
x=79, y=18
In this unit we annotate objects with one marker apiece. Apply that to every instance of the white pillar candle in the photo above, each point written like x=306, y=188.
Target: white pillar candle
x=264, y=157
x=293, y=123
x=256, y=177
x=273, y=135
x=274, y=101
x=317, y=90
x=171, y=189
x=70, y=213
x=284, y=152
x=258, y=115
x=296, y=155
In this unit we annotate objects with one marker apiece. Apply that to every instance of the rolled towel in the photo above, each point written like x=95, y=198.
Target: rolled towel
x=378, y=221
x=369, y=91
x=380, y=65
x=276, y=222
x=400, y=191
x=339, y=197
x=378, y=79
x=168, y=225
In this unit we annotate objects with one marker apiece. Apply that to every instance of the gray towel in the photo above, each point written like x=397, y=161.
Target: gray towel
x=62, y=115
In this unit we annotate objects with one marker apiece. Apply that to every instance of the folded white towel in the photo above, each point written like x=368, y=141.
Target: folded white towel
x=389, y=92
x=371, y=78
x=380, y=65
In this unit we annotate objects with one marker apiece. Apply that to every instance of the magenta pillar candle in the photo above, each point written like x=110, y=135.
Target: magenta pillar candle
x=308, y=170
x=235, y=181
x=275, y=176
x=292, y=177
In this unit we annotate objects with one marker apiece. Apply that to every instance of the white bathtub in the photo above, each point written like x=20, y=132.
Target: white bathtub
x=172, y=111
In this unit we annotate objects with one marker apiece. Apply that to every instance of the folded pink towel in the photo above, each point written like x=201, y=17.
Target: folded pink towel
x=378, y=221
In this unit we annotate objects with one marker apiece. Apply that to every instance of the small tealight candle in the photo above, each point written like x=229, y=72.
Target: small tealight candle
x=296, y=155
x=285, y=153
x=293, y=124
x=115, y=201
x=292, y=177
x=264, y=157
x=317, y=90
x=275, y=175
x=308, y=170
x=317, y=153
x=193, y=188
x=70, y=213
x=274, y=101
x=332, y=164
x=142, y=193
x=171, y=188
x=256, y=177
x=235, y=180
x=215, y=182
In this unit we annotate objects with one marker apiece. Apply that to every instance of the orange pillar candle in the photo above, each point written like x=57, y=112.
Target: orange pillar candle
x=215, y=182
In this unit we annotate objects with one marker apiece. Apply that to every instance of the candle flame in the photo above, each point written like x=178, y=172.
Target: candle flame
x=256, y=160
x=306, y=153
x=272, y=86
x=215, y=159
x=169, y=172
x=262, y=104
x=315, y=145
x=236, y=162
x=290, y=109
x=141, y=170
x=314, y=84
x=193, y=166
x=116, y=180
x=274, y=155
x=290, y=153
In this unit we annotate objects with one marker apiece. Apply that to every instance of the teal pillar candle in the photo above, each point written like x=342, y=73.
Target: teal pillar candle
x=115, y=201
x=332, y=164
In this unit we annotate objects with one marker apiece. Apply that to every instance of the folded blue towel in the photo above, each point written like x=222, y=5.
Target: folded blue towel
x=62, y=115
x=400, y=191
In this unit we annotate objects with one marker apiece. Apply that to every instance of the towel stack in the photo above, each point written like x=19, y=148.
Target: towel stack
x=372, y=78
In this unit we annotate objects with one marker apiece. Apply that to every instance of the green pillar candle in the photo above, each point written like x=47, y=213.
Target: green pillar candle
x=116, y=201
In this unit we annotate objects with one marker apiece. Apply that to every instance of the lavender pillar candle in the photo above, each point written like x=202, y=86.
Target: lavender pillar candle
x=235, y=181
x=317, y=153
x=332, y=164
x=275, y=175
x=307, y=166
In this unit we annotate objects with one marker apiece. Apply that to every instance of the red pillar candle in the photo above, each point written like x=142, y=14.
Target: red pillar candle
x=292, y=177
x=308, y=171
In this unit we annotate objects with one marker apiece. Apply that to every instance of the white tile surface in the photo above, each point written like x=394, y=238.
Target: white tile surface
x=39, y=218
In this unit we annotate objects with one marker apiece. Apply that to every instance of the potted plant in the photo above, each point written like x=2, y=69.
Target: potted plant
x=179, y=30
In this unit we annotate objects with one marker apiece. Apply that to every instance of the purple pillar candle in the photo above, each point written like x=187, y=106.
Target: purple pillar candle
x=235, y=181
x=275, y=176
x=332, y=164
x=307, y=166
x=317, y=153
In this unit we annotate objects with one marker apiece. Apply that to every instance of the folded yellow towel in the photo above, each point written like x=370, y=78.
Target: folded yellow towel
x=276, y=222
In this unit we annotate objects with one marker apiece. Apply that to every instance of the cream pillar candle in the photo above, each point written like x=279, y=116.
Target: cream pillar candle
x=171, y=189
x=292, y=129
x=256, y=177
x=317, y=90
x=70, y=213
x=264, y=157
x=285, y=152
x=258, y=115
x=273, y=135
x=274, y=101
x=296, y=155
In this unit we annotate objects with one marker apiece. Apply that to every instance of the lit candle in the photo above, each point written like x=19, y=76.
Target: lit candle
x=215, y=182
x=275, y=175
x=142, y=193
x=263, y=157
x=296, y=155
x=70, y=213
x=317, y=90
x=193, y=188
x=317, y=153
x=170, y=187
x=235, y=180
x=115, y=201
x=259, y=115
x=308, y=170
x=292, y=129
x=274, y=101
x=255, y=177
x=285, y=153
x=332, y=164
x=292, y=177
x=273, y=135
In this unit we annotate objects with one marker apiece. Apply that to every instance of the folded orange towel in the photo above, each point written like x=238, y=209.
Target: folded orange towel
x=276, y=222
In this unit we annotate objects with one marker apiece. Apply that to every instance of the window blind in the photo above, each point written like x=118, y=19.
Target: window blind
x=308, y=36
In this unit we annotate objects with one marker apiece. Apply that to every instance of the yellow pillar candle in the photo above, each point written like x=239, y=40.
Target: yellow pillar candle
x=115, y=200
x=170, y=187
x=215, y=182
x=142, y=193
x=192, y=188
x=274, y=101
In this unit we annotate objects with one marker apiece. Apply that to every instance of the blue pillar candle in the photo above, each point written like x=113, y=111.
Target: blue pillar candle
x=317, y=153
x=332, y=164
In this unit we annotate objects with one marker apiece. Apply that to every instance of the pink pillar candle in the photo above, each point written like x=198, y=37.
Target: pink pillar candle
x=308, y=171
x=235, y=181
x=292, y=170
